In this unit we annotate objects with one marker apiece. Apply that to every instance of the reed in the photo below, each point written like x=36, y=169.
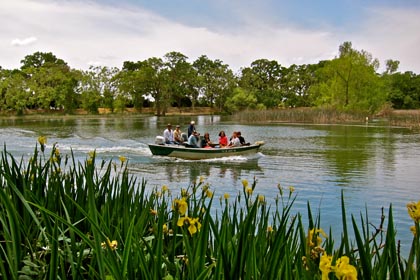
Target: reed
x=62, y=219
x=387, y=116
x=405, y=118
x=301, y=115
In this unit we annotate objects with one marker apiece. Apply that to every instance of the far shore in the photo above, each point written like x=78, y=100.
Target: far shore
x=106, y=112
x=402, y=118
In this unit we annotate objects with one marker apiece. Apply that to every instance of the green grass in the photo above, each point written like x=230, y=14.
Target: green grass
x=60, y=219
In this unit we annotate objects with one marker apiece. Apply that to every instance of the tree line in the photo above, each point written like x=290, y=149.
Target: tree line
x=350, y=81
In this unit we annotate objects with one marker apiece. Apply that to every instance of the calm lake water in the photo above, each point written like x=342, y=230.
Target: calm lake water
x=373, y=166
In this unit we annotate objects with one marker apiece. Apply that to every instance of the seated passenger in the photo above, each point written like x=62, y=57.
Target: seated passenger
x=168, y=134
x=242, y=139
x=193, y=140
x=178, y=135
x=223, y=140
x=235, y=142
x=206, y=142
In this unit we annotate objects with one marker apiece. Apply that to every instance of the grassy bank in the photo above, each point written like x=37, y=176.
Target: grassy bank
x=405, y=118
x=62, y=219
x=187, y=111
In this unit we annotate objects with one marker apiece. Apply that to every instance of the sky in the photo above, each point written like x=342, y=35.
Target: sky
x=109, y=32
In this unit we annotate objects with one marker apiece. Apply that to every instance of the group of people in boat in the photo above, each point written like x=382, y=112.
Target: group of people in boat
x=194, y=140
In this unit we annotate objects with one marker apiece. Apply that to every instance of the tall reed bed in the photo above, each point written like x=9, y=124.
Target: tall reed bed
x=60, y=219
x=405, y=118
x=300, y=115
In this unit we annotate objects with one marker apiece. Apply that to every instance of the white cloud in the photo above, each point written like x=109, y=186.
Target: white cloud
x=392, y=34
x=23, y=42
x=84, y=32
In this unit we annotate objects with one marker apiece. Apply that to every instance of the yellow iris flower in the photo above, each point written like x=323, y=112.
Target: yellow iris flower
x=245, y=183
x=414, y=211
x=111, y=244
x=123, y=159
x=180, y=205
x=42, y=140
x=344, y=270
x=193, y=224
x=318, y=238
x=325, y=266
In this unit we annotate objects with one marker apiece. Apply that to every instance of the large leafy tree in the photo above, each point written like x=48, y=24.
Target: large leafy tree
x=13, y=91
x=403, y=90
x=154, y=76
x=130, y=83
x=350, y=82
x=181, y=77
x=264, y=79
x=215, y=81
x=99, y=88
x=50, y=82
x=297, y=81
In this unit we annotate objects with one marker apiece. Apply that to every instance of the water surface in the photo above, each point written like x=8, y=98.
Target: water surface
x=372, y=166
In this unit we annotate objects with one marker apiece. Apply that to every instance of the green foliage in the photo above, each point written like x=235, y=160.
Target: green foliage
x=215, y=81
x=240, y=100
x=265, y=80
x=60, y=219
x=348, y=82
x=403, y=90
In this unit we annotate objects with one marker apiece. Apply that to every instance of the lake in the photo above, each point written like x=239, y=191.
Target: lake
x=374, y=166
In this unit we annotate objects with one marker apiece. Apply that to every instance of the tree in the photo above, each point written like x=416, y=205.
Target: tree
x=99, y=88
x=215, y=81
x=264, y=80
x=181, y=77
x=41, y=59
x=403, y=90
x=130, y=83
x=391, y=66
x=14, y=93
x=240, y=100
x=153, y=77
x=50, y=81
x=297, y=81
x=350, y=82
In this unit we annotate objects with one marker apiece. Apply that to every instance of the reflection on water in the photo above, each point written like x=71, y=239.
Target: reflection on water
x=373, y=166
x=177, y=171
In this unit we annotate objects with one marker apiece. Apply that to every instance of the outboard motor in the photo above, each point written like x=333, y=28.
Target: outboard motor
x=159, y=140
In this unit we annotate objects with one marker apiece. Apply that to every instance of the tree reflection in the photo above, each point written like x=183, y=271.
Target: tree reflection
x=350, y=151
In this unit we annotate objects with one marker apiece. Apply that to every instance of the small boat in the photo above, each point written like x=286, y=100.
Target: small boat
x=181, y=151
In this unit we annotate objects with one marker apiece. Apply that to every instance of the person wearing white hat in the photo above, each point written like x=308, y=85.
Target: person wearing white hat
x=191, y=128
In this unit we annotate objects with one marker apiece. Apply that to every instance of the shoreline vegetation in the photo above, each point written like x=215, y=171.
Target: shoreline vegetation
x=63, y=219
x=391, y=117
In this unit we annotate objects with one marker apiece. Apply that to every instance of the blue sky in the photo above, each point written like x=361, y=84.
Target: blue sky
x=109, y=32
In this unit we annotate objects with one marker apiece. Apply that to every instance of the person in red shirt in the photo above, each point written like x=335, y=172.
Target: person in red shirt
x=223, y=140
